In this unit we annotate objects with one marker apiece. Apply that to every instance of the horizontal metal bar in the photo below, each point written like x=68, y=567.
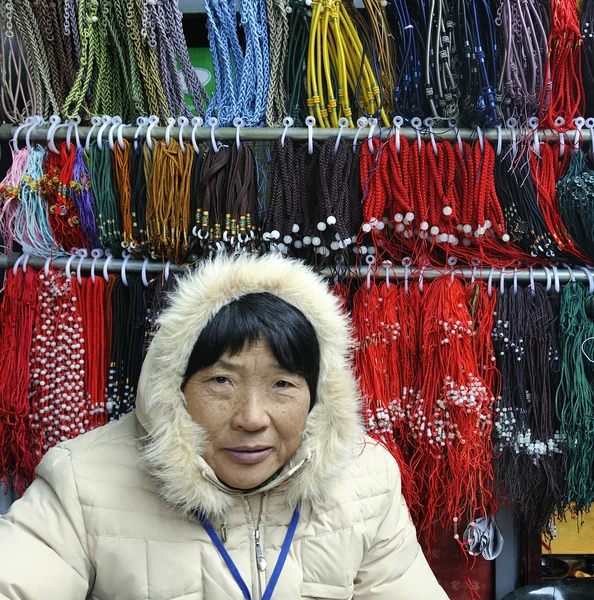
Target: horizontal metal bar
x=228, y=134
x=115, y=265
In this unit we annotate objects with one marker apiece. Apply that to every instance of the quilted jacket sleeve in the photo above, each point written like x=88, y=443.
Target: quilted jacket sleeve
x=42, y=547
x=394, y=567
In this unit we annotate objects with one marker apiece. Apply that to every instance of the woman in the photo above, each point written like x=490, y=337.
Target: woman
x=242, y=473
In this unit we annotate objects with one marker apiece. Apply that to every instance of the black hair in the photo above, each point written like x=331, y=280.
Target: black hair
x=254, y=317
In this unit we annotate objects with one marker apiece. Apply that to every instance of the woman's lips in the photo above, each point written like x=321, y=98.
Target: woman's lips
x=248, y=456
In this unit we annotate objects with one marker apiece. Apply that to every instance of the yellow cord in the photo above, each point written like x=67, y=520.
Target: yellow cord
x=335, y=64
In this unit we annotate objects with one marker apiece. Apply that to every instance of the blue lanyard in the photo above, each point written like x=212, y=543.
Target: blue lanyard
x=280, y=563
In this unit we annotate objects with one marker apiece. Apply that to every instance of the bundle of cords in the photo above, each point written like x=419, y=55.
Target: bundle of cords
x=19, y=302
x=339, y=68
x=242, y=76
x=573, y=197
x=565, y=99
x=18, y=19
x=62, y=211
x=477, y=43
x=529, y=449
x=82, y=194
x=450, y=419
x=278, y=34
x=163, y=23
x=31, y=223
x=58, y=398
x=9, y=189
x=441, y=80
x=525, y=74
x=542, y=169
x=107, y=210
x=314, y=206
x=434, y=197
x=587, y=31
x=295, y=81
x=17, y=92
x=381, y=362
x=574, y=400
x=525, y=223
x=138, y=201
x=168, y=209
x=409, y=99
x=129, y=311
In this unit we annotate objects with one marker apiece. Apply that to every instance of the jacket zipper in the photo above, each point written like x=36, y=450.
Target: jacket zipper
x=260, y=559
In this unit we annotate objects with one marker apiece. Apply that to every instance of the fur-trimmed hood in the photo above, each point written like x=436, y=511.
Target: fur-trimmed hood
x=174, y=444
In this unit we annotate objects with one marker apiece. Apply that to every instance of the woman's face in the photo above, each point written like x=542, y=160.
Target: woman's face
x=254, y=412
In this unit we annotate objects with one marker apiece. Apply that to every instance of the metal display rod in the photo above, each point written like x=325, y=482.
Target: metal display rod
x=300, y=134
x=562, y=274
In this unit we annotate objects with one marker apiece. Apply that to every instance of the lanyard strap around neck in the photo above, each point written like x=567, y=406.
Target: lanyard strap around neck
x=280, y=563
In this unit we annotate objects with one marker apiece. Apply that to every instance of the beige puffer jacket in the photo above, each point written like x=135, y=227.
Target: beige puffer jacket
x=111, y=515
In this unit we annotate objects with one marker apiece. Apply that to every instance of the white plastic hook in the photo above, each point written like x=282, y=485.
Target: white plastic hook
x=46, y=265
x=361, y=124
x=342, y=123
x=15, y=137
x=532, y=286
x=170, y=124
x=36, y=122
x=578, y=123
x=18, y=261
x=452, y=262
x=429, y=125
x=422, y=278
x=416, y=124
x=152, y=123
x=406, y=263
x=590, y=280
x=116, y=121
x=490, y=284
x=387, y=264
x=123, y=273
x=108, y=257
x=213, y=123
x=196, y=122
x=145, y=282
x=454, y=125
x=533, y=124
x=549, y=279
x=372, y=125
x=105, y=120
x=481, y=139
x=67, y=268
x=182, y=122
x=571, y=275
x=75, y=123
x=369, y=259
x=499, y=140
x=562, y=144
x=51, y=132
x=556, y=277
x=95, y=122
x=140, y=123
x=82, y=253
x=310, y=122
x=120, y=134
x=238, y=123
x=512, y=124
x=502, y=282
x=96, y=253
x=166, y=272
x=397, y=121
x=515, y=282
x=287, y=122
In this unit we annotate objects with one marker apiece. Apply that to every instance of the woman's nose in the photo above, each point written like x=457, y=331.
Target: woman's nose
x=252, y=414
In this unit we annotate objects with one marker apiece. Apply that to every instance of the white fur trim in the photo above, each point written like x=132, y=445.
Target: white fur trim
x=174, y=443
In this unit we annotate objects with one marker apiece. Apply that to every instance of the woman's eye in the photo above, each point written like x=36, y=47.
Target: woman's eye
x=282, y=384
x=221, y=380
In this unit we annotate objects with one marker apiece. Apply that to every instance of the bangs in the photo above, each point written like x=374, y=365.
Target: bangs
x=254, y=318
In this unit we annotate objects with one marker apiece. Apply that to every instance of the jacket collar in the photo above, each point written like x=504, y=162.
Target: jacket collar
x=173, y=446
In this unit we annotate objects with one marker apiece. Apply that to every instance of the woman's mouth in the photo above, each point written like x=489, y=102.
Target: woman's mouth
x=247, y=455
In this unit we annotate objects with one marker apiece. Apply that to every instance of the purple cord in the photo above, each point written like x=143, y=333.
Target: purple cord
x=85, y=200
